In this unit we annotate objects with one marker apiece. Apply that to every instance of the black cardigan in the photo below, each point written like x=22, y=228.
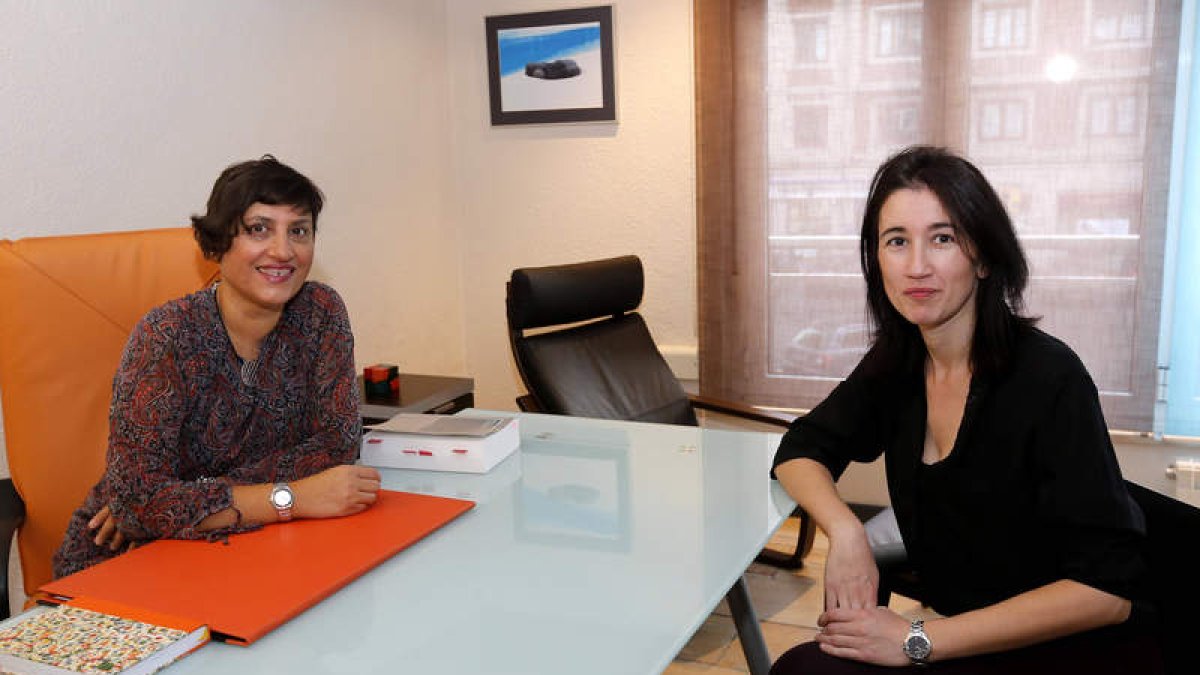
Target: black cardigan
x=1030, y=493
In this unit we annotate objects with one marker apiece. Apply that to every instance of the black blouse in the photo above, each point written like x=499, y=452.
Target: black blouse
x=1030, y=493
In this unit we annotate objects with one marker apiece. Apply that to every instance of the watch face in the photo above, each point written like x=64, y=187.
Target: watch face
x=281, y=498
x=917, y=647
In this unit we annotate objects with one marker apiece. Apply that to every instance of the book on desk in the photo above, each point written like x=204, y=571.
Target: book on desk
x=95, y=637
x=440, y=443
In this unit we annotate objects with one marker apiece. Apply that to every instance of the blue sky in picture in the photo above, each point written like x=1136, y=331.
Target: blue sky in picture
x=519, y=46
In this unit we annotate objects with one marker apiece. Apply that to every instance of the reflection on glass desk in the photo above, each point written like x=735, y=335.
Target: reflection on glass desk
x=598, y=547
x=436, y=394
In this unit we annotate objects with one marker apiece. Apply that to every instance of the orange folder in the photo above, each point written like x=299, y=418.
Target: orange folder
x=259, y=580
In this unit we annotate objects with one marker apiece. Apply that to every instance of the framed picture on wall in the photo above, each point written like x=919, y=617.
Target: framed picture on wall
x=551, y=66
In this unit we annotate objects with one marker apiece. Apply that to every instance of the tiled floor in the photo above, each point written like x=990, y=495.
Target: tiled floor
x=787, y=604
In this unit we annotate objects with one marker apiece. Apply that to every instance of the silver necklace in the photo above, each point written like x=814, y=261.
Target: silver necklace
x=248, y=368
x=248, y=365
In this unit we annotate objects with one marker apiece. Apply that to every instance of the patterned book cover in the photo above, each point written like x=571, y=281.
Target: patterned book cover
x=83, y=641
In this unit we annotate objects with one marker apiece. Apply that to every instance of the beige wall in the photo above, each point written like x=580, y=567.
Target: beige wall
x=119, y=115
x=541, y=195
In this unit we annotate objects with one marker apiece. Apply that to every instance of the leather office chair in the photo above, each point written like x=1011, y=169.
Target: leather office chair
x=1172, y=549
x=67, y=306
x=608, y=367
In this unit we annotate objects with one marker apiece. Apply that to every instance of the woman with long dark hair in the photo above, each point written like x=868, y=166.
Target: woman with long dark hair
x=1000, y=469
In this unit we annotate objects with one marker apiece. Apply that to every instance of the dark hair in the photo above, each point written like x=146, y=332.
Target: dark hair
x=240, y=186
x=978, y=214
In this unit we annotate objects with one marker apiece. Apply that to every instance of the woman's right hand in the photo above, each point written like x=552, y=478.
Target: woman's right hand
x=851, y=576
x=338, y=491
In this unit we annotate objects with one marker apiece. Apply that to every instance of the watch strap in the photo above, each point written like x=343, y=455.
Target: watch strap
x=917, y=645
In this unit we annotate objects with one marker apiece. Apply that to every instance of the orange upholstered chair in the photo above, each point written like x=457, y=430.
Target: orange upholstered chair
x=67, y=306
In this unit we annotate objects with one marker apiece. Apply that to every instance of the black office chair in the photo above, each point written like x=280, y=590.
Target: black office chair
x=1172, y=551
x=608, y=366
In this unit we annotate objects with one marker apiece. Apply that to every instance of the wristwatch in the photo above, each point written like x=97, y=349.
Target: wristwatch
x=917, y=646
x=282, y=500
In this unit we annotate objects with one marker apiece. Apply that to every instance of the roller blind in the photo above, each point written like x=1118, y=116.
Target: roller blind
x=1065, y=106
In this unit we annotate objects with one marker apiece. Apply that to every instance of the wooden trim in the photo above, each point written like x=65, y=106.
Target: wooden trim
x=742, y=410
x=715, y=243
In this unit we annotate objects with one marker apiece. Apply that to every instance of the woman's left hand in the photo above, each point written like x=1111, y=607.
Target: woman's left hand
x=871, y=635
x=106, y=529
x=337, y=491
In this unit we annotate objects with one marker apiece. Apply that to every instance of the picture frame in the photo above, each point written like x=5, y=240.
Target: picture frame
x=551, y=67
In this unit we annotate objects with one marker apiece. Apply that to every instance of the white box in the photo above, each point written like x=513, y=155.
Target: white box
x=467, y=454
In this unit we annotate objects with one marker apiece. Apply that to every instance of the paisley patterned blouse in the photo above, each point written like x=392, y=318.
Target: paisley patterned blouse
x=189, y=419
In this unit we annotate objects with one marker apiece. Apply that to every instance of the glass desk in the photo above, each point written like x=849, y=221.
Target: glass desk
x=597, y=547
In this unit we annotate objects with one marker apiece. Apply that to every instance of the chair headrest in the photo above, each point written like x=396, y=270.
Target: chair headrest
x=558, y=294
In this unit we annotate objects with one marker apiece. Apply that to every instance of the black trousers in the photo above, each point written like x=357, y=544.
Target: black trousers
x=1113, y=650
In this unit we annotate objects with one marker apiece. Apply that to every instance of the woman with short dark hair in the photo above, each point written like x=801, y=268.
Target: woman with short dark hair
x=237, y=405
x=265, y=181
x=1000, y=469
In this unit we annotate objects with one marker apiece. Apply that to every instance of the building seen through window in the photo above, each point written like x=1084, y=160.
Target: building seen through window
x=1049, y=99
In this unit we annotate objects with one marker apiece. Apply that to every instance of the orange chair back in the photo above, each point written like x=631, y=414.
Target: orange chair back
x=67, y=306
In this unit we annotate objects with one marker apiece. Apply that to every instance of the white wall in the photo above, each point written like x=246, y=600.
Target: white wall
x=542, y=195
x=120, y=114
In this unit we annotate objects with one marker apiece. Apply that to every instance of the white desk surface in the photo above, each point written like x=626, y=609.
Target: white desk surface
x=598, y=547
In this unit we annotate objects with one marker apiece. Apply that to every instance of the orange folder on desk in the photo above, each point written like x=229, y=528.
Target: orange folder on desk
x=261, y=579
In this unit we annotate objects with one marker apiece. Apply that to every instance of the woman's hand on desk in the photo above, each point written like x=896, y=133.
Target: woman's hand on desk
x=338, y=491
x=106, y=530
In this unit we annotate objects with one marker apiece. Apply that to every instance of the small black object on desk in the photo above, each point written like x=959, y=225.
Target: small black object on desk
x=435, y=394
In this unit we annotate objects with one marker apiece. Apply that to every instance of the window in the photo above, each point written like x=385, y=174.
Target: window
x=811, y=40
x=895, y=120
x=1002, y=120
x=896, y=30
x=1061, y=132
x=810, y=127
x=1120, y=22
x=1113, y=114
x=1180, y=365
x=1003, y=26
